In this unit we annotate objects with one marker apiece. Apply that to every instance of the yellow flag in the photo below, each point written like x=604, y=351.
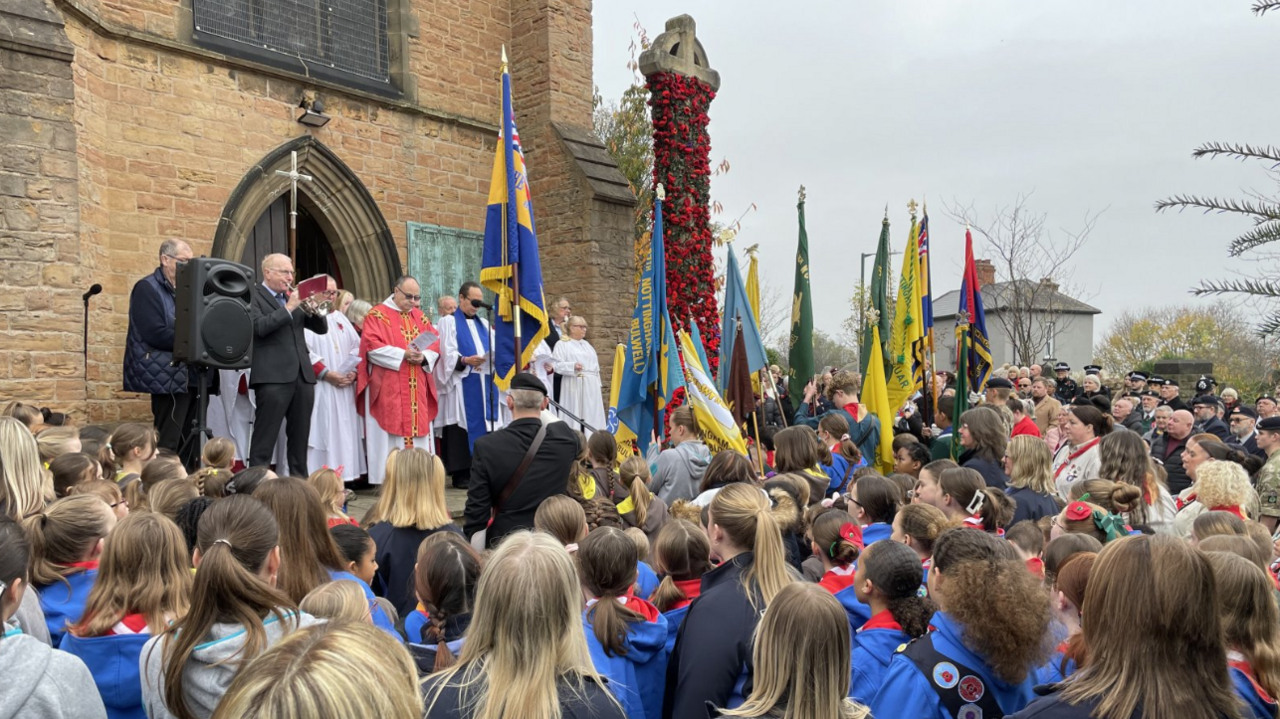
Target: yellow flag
x=875, y=397
x=906, y=343
x=621, y=432
x=753, y=298
x=719, y=431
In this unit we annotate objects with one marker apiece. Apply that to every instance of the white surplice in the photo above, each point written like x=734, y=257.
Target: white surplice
x=379, y=441
x=337, y=434
x=453, y=410
x=231, y=416
x=580, y=389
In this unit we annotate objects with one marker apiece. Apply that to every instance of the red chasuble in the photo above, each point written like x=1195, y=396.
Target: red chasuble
x=403, y=402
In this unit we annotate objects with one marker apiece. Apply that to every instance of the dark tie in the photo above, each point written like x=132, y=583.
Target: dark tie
x=284, y=298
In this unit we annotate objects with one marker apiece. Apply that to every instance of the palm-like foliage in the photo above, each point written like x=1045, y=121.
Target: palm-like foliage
x=1262, y=6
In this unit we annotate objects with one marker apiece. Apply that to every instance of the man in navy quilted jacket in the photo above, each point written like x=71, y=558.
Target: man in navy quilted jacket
x=148, y=354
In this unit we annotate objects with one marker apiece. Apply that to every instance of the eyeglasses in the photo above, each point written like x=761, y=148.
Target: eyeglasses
x=282, y=272
x=407, y=296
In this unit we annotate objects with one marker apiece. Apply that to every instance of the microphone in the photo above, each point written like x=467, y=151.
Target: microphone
x=482, y=303
x=95, y=289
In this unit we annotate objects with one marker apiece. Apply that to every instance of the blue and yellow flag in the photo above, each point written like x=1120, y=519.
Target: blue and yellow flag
x=715, y=419
x=510, y=266
x=737, y=308
x=621, y=432
x=651, y=373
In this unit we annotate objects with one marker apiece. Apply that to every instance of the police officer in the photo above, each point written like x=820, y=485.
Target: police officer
x=1269, y=476
x=1067, y=389
x=1136, y=384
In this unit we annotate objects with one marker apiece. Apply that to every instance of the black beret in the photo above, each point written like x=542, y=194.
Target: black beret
x=1270, y=424
x=527, y=380
x=1244, y=409
x=1267, y=397
x=1207, y=400
x=999, y=383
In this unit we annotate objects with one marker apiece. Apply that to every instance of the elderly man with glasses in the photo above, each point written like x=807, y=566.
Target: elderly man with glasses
x=148, y=355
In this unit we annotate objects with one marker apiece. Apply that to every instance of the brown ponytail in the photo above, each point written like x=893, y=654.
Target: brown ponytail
x=635, y=477
x=681, y=552
x=235, y=537
x=445, y=580
x=64, y=533
x=829, y=533
x=607, y=566
x=837, y=426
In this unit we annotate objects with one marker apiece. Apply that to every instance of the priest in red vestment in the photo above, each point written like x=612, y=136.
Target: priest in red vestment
x=394, y=378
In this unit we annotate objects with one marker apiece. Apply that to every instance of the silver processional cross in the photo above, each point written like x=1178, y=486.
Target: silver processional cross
x=294, y=176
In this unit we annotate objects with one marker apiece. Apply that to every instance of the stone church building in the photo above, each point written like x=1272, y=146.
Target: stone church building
x=125, y=122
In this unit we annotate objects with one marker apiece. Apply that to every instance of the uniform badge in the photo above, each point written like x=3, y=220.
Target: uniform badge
x=970, y=711
x=971, y=688
x=946, y=675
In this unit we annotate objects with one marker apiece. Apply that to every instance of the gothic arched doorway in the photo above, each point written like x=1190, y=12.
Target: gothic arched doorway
x=270, y=234
x=340, y=229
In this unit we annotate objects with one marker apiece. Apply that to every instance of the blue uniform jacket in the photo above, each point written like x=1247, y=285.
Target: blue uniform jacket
x=1256, y=706
x=675, y=620
x=380, y=618
x=906, y=693
x=875, y=532
x=712, y=657
x=113, y=660
x=63, y=604
x=1052, y=671
x=423, y=650
x=646, y=581
x=637, y=678
x=873, y=649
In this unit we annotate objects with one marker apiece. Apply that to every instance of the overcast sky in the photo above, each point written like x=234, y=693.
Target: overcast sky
x=1091, y=104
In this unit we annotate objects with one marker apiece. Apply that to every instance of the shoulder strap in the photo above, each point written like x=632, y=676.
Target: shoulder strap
x=960, y=689
x=514, y=482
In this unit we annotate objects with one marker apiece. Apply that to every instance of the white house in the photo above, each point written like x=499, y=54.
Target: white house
x=1055, y=325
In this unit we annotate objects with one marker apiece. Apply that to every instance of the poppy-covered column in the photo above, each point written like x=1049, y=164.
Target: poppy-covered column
x=681, y=88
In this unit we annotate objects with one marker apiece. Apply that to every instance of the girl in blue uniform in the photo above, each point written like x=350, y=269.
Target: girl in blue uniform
x=1156, y=643
x=833, y=430
x=918, y=526
x=873, y=503
x=682, y=555
x=308, y=555
x=801, y=656
x=627, y=635
x=1066, y=595
x=977, y=659
x=1251, y=623
x=837, y=542
x=445, y=579
x=711, y=661
x=888, y=582
x=66, y=542
x=144, y=583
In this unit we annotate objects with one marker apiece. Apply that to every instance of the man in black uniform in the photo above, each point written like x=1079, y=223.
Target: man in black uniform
x=1067, y=389
x=1169, y=395
x=1136, y=384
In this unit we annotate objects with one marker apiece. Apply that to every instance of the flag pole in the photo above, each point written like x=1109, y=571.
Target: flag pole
x=508, y=130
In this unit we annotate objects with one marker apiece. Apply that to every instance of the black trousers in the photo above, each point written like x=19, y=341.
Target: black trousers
x=289, y=402
x=174, y=418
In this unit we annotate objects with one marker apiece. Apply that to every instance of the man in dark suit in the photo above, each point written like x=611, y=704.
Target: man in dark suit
x=498, y=454
x=559, y=321
x=1206, y=408
x=1244, y=432
x=281, y=373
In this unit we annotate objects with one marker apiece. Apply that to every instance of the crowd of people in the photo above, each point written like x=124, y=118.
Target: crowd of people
x=1074, y=567
x=336, y=382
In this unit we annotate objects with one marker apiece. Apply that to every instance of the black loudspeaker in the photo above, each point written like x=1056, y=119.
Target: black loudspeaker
x=213, y=327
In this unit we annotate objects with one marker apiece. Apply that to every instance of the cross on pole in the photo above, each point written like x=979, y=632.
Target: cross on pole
x=293, y=176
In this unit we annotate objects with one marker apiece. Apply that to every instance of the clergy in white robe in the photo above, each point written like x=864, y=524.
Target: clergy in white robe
x=337, y=432
x=394, y=377
x=578, y=365
x=469, y=404
x=231, y=416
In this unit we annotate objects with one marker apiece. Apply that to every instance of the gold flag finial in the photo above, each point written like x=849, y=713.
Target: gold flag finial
x=911, y=207
x=753, y=249
x=504, y=57
x=802, y=193
x=660, y=192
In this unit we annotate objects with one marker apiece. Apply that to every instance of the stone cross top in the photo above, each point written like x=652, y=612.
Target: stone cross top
x=677, y=50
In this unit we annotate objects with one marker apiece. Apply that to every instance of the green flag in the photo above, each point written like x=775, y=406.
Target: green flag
x=962, y=384
x=800, y=356
x=878, y=299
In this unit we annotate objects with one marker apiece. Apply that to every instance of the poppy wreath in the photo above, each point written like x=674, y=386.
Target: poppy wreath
x=681, y=152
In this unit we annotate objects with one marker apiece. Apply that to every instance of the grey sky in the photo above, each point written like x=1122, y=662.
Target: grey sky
x=1092, y=104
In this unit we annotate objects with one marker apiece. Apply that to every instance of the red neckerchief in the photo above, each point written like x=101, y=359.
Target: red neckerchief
x=641, y=607
x=86, y=566
x=1238, y=662
x=1035, y=565
x=1071, y=457
x=927, y=564
x=837, y=579
x=1180, y=503
x=852, y=409
x=881, y=620
x=131, y=623
x=1234, y=510
x=1062, y=646
x=691, y=588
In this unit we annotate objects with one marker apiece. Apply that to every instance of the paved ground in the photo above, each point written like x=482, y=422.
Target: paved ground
x=455, y=499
